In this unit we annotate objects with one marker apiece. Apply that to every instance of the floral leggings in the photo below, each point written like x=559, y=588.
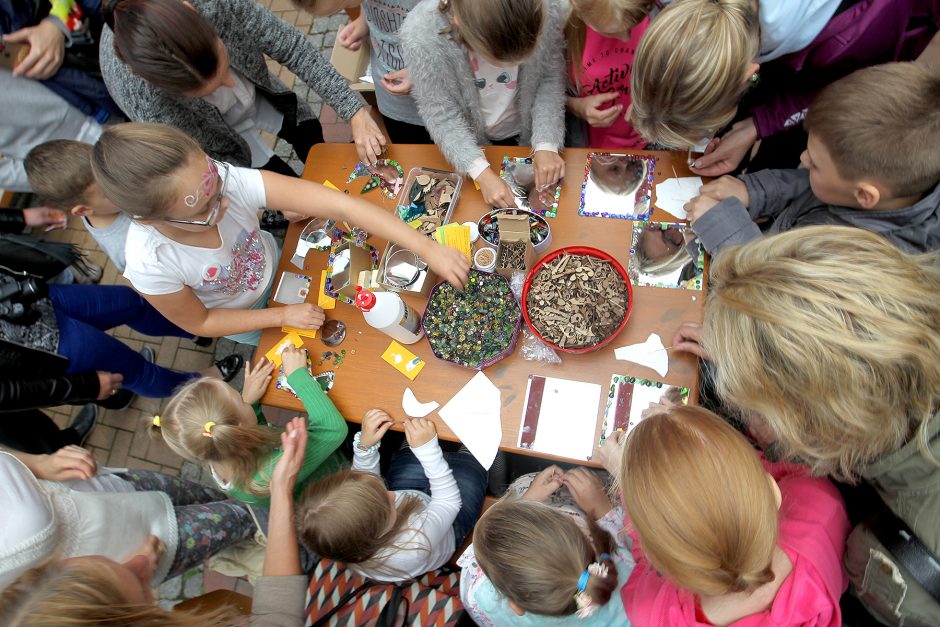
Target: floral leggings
x=206, y=519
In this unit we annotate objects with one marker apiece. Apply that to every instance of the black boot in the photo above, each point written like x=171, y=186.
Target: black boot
x=84, y=422
x=229, y=366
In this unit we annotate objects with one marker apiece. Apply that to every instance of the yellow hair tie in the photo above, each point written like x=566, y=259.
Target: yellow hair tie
x=207, y=429
x=156, y=421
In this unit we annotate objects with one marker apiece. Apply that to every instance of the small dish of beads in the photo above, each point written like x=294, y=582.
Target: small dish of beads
x=475, y=327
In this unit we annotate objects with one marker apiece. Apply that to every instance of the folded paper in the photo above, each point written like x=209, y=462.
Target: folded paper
x=672, y=194
x=473, y=415
x=650, y=353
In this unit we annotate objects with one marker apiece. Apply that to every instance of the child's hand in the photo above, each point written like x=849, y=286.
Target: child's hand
x=256, y=380
x=495, y=190
x=374, y=425
x=549, y=168
x=588, y=109
x=545, y=484
x=726, y=187
x=419, y=431
x=302, y=316
x=449, y=263
x=370, y=142
x=397, y=83
x=609, y=454
x=52, y=219
x=351, y=35
x=294, y=449
x=294, y=359
x=69, y=462
x=146, y=558
x=656, y=407
x=725, y=154
x=587, y=491
x=688, y=338
x=699, y=206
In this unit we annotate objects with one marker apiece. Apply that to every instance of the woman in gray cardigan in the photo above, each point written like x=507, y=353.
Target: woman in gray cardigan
x=448, y=47
x=199, y=66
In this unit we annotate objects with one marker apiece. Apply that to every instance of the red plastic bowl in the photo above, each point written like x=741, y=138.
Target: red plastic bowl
x=577, y=250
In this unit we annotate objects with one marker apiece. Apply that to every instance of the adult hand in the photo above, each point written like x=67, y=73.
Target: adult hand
x=495, y=190
x=656, y=407
x=370, y=142
x=374, y=426
x=256, y=380
x=351, y=35
x=549, y=168
x=46, y=50
x=293, y=451
x=449, y=264
x=725, y=154
x=545, y=484
x=587, y=491
x=69, y=462
x=302, y=316
x=419, y=431
x=688, y=338
x=108, y=384
x=726, y=187
x=146, y=558
x=698, y=206
x=397, y=83
x=52, y=219
x=610, y=453
x=588, y=109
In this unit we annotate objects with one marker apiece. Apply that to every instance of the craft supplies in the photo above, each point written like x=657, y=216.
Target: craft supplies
x=324, y=379
x=617, y=186
x=334, y=332
x=650, y=354
x=515, y=252
x=577, y=299
x=474, y=231
x=428, y=198
x=401, y=270
x=292, y=289
x=403, y=360
x=314, y=236
x=559, y=417
x=539, y=231
x=474, y=327
x=484, y=259
x=666, y=254
x=311, y=333
x=274, y=355
x=672, y=194
x=388, y=313
x=628, y=398
x=473, y=414
x=455, y=236
x=519, y=174
x=384, y=174
x=415, y=408
x=350, y=256
x=324, y=300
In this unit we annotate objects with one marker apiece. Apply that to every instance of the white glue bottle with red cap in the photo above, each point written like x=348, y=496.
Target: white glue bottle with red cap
x=388, y=313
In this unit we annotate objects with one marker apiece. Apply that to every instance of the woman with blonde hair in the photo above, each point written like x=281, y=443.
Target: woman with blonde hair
x=826, y=339
x=723, y=536
x=698, y=58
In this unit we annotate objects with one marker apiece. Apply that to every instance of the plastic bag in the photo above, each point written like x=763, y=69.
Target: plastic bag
x=531, y=347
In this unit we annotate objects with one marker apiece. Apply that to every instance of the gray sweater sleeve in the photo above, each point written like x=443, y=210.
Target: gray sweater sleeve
x=770, y=191
x=725, y=224
x=548, y=111
x=279, y=601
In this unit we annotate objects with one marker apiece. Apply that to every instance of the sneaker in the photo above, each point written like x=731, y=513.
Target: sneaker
x=229, y=366
x=84, y=422
x=147, y=353
x=86, y=273
x=121, y=399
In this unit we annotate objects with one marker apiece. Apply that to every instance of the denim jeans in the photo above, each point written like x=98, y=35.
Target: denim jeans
x=85, y=312
x=406, y=473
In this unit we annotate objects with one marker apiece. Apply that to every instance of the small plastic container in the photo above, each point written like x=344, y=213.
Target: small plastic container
x=414, y=173
x=484, y=259
x=488, y=228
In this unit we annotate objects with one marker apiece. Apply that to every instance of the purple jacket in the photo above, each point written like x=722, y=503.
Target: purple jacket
x=869, y=33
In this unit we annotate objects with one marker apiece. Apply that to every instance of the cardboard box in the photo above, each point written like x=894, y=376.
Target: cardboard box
x=514, y=233
x=349, y=261
x=353, y=64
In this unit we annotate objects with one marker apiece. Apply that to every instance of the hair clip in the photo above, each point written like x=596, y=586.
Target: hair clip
x=156, y=421
x=207, y=429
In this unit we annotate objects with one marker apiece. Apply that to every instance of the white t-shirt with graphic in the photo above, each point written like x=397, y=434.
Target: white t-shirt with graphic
x=498, y=87
x=234, y=275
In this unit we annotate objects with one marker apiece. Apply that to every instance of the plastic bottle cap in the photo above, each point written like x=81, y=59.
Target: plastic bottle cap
x=365, y=300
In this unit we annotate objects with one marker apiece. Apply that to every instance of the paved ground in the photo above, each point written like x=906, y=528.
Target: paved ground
x=120, y=439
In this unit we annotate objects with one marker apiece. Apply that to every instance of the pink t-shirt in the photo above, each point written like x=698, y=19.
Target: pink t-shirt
x=606, y=66
x=813, y=531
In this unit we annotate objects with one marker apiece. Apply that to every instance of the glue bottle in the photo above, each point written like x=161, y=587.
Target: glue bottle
x=388, y=313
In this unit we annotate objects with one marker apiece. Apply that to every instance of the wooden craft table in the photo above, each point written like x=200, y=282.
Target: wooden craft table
x=364, y=381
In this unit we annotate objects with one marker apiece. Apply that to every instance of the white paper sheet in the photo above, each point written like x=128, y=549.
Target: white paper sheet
x=567, y=418
x=672, y=194
x=415, y=408
x=650, y=353
x=473, y=415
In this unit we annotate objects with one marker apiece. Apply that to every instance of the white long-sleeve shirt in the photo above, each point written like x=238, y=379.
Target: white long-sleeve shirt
x=428, y=537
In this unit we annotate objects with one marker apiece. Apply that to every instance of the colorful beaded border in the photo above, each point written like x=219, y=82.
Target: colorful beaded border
x=357, y=237
x=694, y=283
x=553, y=210
x=643, y=195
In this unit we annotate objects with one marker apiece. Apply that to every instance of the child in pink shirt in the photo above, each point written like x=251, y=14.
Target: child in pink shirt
x=721, y=535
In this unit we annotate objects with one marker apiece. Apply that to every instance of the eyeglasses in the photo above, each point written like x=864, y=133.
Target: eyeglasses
x=216, y=204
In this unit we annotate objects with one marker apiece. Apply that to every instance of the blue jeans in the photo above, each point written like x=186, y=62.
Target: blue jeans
x=85, y=312
x=406, y=473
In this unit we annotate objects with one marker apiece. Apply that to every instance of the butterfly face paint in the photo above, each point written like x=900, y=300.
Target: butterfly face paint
x=206, y=185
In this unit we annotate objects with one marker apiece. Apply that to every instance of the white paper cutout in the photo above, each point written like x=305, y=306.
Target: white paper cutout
x=415, y=408
x=473, y=415
x=650, y=353
x=672, y=194
x=567, y=418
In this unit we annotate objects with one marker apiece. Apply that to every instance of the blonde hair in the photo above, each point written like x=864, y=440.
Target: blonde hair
x=85, y=592
x=504, y=31
x=534, y=555
x=700, y=502
x=243, y=448
x=135, y=164
x=882, y=123
x=689, y=70
x=628, y=13
x=59, y=171
x=344, y=516
x=831, y=334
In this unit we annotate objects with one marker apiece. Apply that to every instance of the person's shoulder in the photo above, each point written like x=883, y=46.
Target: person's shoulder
x=424, y=16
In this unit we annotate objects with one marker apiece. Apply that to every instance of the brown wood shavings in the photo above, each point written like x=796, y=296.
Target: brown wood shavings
x=577, y=301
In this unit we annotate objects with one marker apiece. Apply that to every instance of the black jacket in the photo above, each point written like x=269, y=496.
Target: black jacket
x=32, y=378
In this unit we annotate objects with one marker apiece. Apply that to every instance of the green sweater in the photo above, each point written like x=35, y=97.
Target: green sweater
x=326, y=430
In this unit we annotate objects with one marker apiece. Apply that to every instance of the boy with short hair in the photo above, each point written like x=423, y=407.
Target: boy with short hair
x=872, y=161
x=60, y=173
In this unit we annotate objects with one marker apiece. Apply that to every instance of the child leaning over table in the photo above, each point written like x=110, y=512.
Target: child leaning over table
x=871, y=162
x=208, y=422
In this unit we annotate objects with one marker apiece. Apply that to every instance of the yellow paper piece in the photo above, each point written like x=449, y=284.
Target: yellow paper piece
x=275, y=353
x=403, y=360
x=300, y=332
x=330, y=185
x=455, y=236
x=415, y=224
x=324, y=301
x=475, y=184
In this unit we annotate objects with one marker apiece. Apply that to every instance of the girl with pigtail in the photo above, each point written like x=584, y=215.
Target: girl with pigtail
x=550, y=551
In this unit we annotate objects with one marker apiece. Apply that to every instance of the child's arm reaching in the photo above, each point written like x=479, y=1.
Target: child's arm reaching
x=300, y=196
x=445, y=502
x=375, y=424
